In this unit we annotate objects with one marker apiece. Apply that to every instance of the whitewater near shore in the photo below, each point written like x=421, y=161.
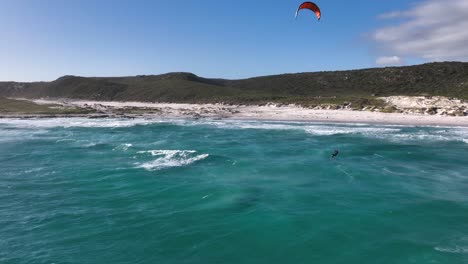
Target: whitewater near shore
x=255, y=112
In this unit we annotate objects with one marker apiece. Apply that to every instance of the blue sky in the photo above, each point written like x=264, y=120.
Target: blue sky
x=43, y=40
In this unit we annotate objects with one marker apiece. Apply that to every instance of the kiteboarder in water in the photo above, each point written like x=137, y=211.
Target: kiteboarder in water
x=335, y=154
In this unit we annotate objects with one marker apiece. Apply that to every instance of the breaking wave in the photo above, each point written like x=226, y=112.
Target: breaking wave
x=77, y=122
x=396, y=133
x=19, y=134
x=170, y=158
x=319, y=129
x=123, y=147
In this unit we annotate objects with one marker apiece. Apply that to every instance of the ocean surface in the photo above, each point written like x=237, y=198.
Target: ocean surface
x=175, y=191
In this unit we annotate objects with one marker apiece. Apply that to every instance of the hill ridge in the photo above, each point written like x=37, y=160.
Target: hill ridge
x=438, y=78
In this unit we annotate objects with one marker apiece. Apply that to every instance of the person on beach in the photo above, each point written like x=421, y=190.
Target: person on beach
x=335, y=154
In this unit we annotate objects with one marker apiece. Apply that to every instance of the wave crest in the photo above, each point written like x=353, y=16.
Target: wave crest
x=455, y=250
x=76, y=122
x=170, y=158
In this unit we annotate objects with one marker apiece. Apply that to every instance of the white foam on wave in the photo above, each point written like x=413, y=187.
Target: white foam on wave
x=447, y=134
x=462, y=133
x=456, y=246
x=245, y=124
x=317, y=129
x=123, y=147
x=20, y=134
x=384, y=132
x=76, y=122
x=90, y=145
x=170, y=158
x=330, y=130
x=65, y=140
x=454, y=250
x=395, y=133
x=38, y=169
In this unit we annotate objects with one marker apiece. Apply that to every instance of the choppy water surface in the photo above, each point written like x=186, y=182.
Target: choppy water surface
x=174, y=191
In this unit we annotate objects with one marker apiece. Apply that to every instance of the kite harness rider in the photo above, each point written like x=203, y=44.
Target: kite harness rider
x=335, y=154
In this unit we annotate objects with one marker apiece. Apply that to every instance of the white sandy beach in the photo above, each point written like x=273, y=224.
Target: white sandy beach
x=269, y=112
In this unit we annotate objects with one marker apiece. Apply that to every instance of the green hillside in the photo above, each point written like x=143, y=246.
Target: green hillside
x=14, y=107
x=444, y=79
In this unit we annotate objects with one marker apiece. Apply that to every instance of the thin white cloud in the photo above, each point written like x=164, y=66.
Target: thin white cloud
x=391, y=15
x=392, y=60
x=432, y=30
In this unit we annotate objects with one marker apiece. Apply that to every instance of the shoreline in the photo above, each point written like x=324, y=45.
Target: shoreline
x=290, y=113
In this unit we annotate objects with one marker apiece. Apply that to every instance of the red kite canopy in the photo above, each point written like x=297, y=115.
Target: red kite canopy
x=312, y=7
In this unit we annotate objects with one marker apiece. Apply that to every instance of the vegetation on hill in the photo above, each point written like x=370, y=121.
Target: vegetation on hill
x=15, y=107
x=361, y=87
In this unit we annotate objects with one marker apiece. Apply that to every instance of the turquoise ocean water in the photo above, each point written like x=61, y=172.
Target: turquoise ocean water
x=175, y=191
